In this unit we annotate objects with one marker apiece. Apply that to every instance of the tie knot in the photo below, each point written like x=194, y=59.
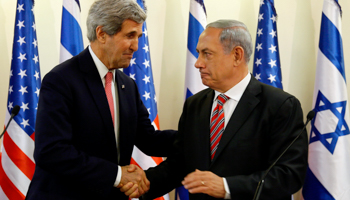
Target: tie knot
x=109, y=77
x=222, y=99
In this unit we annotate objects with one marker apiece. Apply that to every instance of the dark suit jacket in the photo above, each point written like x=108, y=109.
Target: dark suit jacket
x=75, y=145
x=263, y=124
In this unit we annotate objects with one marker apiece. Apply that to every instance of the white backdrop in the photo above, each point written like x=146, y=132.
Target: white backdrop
x=298, y=27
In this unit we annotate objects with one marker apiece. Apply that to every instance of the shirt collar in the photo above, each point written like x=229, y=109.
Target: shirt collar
x=236, y=91
x=101, y=68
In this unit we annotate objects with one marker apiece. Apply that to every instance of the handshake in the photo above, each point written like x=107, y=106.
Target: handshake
x=134, y=182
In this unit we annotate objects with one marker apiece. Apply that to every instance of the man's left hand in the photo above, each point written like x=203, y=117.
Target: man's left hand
x=205, y=182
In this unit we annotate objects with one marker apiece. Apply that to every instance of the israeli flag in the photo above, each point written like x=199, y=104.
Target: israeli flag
x=328, y=175
x=71, y=35
x=196, y=25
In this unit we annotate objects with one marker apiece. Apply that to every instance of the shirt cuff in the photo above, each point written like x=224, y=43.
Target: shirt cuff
x=119, y=177
x=227, y=189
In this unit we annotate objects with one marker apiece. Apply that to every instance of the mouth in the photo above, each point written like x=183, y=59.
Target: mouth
x=204, y=74
x=129, y=55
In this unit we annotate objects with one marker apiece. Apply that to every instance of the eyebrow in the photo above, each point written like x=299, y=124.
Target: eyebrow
x=205, y=49
x=135, y=32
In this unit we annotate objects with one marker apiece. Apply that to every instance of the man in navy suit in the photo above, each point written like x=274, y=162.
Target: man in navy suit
x=84, y=138
x=230, y=133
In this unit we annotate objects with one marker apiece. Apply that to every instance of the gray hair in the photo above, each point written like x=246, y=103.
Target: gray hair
x=110, y=14
x=234, y=33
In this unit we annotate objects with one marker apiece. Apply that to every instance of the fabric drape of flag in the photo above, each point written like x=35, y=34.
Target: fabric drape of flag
x=193, y=82
x=328, y=175
x=267, y=67
x=17, y=162
x=71, y=35
x=140, y=70
x=196, y=25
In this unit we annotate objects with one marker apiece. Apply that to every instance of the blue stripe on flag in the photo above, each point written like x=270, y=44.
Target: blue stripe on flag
x=71, y=38
x=188, y=93
x=182, y=193
x=193, y=34
x=314, y=188
x=332, y=49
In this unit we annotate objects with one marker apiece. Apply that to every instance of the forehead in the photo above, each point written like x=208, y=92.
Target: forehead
x=131, y=26
x=209, y=38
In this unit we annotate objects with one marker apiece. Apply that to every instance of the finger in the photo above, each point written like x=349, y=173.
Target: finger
x=200, y=189
x=142, y=188
x=148, y=184
x=126, y=187
x=132, y=168
x=195, y=184
x=135, y=194
x=144, y=183
x=132, y=190
x=190, y=178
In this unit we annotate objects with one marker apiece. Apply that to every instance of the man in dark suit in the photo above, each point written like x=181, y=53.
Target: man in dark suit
x=85, y=131
x=225, y=154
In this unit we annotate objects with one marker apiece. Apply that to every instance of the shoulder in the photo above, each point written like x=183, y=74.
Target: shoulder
x=201, y=95
x=122, y=76
x=72, y=70
x=268, y=92
x=81, y=61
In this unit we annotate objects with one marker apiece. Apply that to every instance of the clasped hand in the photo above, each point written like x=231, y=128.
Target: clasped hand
x=196, y=182
x=133, y=181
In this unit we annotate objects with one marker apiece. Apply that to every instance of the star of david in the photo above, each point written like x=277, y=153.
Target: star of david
x=328, y=132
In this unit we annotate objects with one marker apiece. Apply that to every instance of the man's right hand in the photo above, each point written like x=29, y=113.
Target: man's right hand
x=133, y=181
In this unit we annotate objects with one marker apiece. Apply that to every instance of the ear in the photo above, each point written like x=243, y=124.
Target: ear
x=100, y=34
x=238, y=55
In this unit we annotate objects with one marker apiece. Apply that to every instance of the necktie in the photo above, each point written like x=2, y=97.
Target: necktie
x=108, y=90
x=217, y=124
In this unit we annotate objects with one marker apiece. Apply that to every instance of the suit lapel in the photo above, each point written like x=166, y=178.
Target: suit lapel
x=94, y=84
x=244, y=108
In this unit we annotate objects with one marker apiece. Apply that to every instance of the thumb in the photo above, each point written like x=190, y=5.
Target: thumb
x=132, y=168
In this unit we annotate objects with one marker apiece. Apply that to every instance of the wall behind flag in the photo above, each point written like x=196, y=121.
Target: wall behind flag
x=298, y=33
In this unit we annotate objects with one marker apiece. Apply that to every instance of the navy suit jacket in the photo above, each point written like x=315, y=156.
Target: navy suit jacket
x=75, y=145
x=264, y=123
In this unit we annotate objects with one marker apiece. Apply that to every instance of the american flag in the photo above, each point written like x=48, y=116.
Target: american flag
x=17, y=162
x=328, y=175
x=193, y=83
x=71, y=35
x=267, y=67
x=140, y=70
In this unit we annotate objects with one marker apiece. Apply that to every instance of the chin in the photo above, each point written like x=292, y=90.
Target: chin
x=205, y=82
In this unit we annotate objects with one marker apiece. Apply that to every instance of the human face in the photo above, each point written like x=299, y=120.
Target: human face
x=119, y=48
x=215, y=66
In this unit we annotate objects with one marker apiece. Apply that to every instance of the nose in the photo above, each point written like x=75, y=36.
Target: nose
x=199, y=64
x=134, y=44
